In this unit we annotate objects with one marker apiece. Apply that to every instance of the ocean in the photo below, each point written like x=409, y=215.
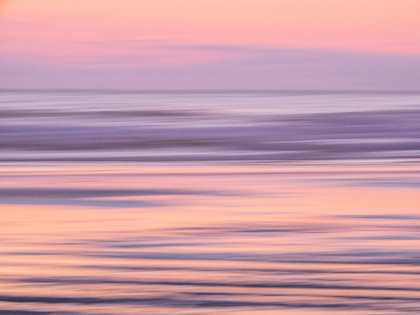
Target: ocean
x=115, y=203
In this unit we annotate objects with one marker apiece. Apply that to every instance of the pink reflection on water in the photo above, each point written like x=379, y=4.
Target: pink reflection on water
x=268, y=240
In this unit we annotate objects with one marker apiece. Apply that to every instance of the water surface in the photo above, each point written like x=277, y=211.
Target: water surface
x=209, y=203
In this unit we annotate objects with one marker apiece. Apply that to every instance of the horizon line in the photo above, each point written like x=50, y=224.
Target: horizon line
x=213, y=91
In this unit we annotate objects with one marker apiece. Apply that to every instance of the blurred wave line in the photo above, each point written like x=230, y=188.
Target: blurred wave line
x=142, y=203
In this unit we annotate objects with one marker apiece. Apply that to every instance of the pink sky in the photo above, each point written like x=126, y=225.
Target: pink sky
x=197, y=44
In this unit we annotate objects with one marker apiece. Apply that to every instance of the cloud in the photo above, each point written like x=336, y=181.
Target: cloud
x=153, y=65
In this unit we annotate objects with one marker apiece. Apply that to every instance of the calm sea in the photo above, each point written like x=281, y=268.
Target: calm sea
x=209, y=203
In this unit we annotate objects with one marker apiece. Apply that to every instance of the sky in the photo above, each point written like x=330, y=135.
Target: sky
x=210, y=44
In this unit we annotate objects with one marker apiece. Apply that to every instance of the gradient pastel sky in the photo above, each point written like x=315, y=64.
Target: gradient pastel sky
x=210, y=44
